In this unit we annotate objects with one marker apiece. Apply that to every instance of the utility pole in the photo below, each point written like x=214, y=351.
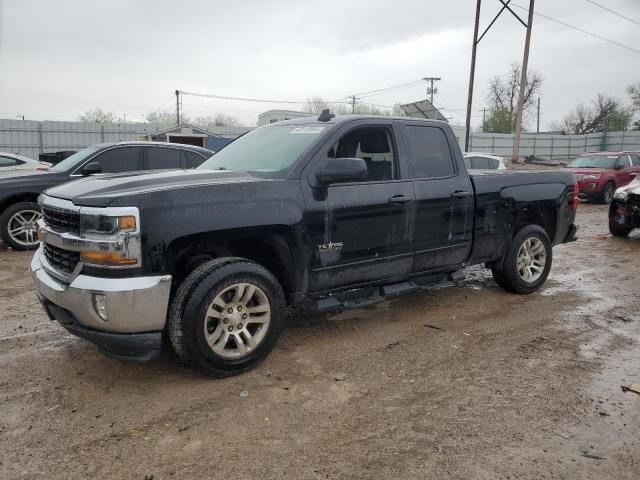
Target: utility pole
x=431, y=90
x=538, y=117
x=353, y=103
x=177, y=107
x=484, y=113
x=471, y=76
x=523, y=84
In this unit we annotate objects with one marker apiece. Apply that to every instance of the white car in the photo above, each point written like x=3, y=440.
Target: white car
x=483, y=161
x=10, y=162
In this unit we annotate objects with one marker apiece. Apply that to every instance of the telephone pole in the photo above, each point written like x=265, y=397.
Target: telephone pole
x=353, y=103
x=177, y=107
x=476, y=40
x=538, y=117
x=431, y=90
x=484, y=113
x=523, y=85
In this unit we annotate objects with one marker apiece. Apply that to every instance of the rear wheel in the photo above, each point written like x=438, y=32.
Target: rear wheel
x=607, y=192
x=226, y=316
x=18, y=225
x=527, y=263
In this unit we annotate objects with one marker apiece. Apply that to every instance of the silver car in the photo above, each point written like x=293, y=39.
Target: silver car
x=10, y=162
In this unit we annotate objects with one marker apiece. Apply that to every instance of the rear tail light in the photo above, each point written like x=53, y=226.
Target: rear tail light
x=576, y=191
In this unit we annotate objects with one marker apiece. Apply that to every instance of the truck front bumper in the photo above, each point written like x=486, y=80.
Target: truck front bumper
x=123, y=317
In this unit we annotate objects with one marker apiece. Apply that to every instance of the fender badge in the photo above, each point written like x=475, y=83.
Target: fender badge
x=330, y=247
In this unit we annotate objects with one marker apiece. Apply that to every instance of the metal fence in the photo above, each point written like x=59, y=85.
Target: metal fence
x=31, y=138
x=555, y=146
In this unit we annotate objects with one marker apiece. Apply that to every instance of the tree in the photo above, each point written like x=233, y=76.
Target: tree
x=605, y=114
x=499, y=120
x=97, y=115
x=315, y=104
x=217, y=120
x=165, y=118
x=634, y=93
x=503, y=98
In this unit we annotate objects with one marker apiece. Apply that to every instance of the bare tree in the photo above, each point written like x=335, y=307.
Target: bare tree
x=217, y=120
x=165, y=118
x=605, y=113
x=97, y=115
x=503, y=96
x=315, y=104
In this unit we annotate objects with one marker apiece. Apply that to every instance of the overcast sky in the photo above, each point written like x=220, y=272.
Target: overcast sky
x=59, y=58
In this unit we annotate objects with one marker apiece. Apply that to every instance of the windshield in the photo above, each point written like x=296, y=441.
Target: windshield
x=265, y=149
x=594, y=161
x=74, y=160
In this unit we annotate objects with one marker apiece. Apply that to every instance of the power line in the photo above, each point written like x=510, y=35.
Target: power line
x=614, y=12
x=393, y=87
x=579, y=29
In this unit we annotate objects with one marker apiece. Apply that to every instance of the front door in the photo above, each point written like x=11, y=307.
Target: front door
x=360, y=232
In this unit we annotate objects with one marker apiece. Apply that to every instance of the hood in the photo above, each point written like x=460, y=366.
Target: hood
x=30, y=181
x=21, y=174
x=632, y=187
x=100, y=191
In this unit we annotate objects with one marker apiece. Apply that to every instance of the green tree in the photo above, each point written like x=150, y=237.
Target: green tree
x=499, y=120
x=604, y=114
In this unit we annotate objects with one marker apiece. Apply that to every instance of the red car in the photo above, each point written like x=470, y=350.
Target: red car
x=599, y=173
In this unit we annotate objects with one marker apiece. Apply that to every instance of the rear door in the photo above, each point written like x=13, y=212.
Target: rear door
x=444, y=198
x=115, y=160
x=624, y=170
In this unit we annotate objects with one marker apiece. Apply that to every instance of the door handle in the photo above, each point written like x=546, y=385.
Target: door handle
x=461, y=194
x=399, y=199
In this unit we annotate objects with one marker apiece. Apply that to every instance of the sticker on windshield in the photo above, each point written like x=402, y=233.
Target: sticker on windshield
x=307, y=130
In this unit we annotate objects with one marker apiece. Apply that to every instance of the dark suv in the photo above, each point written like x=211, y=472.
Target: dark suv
x=19, y=192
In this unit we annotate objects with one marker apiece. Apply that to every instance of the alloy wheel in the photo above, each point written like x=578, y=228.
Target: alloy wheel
x=237, y=320
x=22, y=227
x=532, y=259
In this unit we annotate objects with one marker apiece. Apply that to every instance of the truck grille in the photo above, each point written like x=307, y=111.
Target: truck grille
x=61, y=220
x=62, y=260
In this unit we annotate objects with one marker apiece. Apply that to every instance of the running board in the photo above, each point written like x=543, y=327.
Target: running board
x=363, y=297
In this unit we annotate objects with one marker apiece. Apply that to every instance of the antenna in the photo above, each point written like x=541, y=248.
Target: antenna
x=325, y=116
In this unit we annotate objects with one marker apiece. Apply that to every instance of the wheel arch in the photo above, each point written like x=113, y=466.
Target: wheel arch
x=270, y=247
x=17, y=198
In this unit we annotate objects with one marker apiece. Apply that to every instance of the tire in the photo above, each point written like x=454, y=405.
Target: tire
x=537, y=265
x=607, y=193
x=194, y=320
x=616, y=229
x=23, y=213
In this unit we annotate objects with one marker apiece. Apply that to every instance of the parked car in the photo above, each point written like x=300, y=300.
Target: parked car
x=10, y=162
x=483, y=161
x=599, y=174
x=331, y=214
x=19, y=192
x=624, y=211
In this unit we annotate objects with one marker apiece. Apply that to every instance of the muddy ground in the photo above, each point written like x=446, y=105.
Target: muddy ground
x=464, y=381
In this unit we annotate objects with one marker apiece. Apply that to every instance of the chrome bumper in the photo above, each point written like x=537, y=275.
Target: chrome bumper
x=133, y=305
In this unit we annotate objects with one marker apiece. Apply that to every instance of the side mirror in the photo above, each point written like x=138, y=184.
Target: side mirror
x=92, y=168
x=618, y=166
x=338, y=170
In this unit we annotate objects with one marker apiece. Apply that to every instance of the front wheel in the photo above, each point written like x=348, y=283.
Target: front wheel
x=527, y=263
x=18, y=225
x=607, y=193
x=226, y=316
x=616, y=229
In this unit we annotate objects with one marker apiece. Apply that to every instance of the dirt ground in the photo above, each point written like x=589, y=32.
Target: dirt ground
x=463, y=381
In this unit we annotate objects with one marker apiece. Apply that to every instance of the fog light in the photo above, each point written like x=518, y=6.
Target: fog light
x=100, y=305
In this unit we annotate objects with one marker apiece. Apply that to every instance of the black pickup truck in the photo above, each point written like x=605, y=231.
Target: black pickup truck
x=308, y=214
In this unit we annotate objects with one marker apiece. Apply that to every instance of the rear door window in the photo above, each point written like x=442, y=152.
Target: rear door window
x=431, y=153
x=158, y=158
x=624, y=161
x=120, y=159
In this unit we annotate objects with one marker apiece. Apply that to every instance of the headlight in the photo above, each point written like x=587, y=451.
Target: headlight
x=592, y=176
x=106, y=225
x=111, y=237
x=621, y=194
